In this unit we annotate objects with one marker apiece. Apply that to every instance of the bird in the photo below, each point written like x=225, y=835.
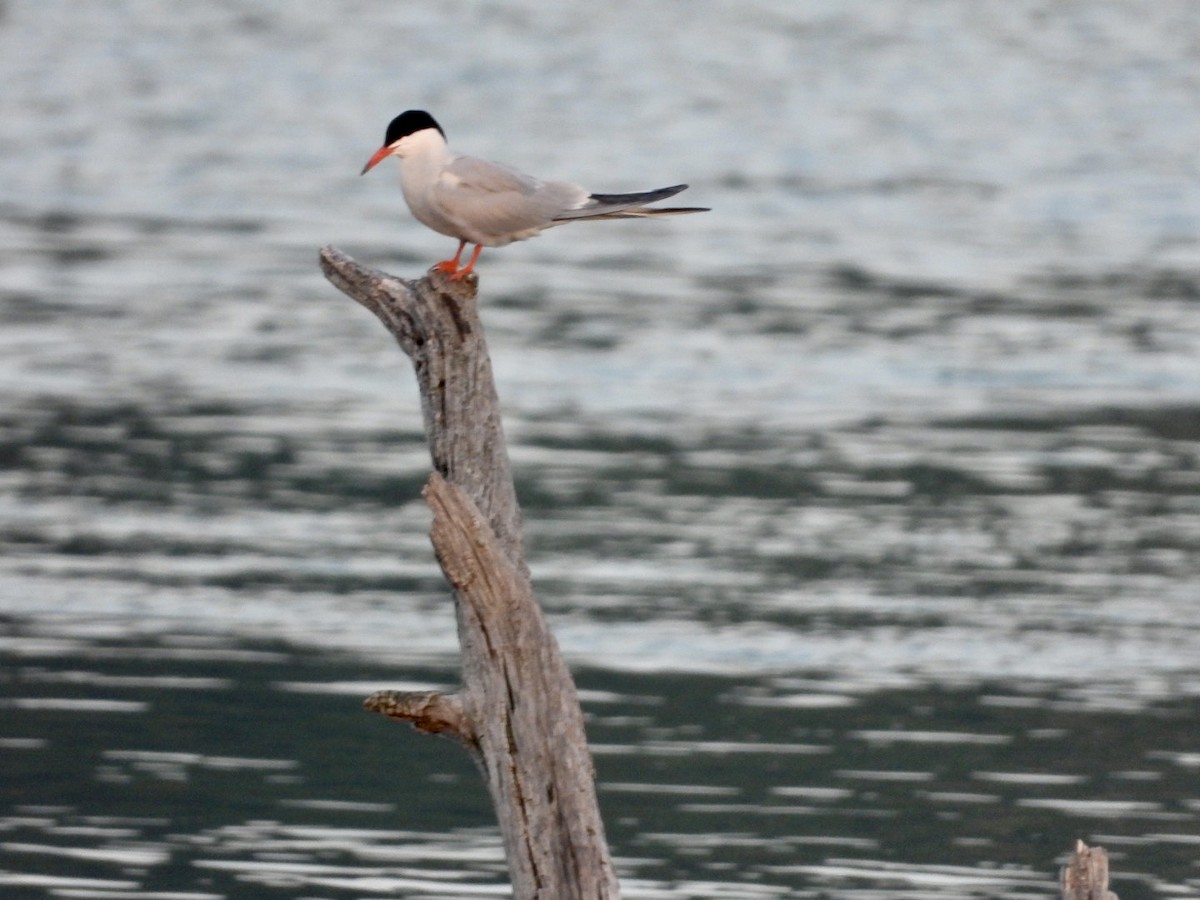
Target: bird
x=489, y=204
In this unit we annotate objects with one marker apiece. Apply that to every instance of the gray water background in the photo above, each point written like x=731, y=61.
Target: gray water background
x=866, y=506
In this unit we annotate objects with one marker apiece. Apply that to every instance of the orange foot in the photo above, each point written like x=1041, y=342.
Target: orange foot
x=451, y=265
x=470, y=266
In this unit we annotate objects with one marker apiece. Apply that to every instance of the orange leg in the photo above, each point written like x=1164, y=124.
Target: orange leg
x=451, y=265
x=466, y=270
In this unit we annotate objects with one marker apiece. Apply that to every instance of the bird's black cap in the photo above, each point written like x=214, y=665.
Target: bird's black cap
x=410, y=122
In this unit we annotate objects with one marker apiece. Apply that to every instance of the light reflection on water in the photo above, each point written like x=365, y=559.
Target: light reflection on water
x=868, y=505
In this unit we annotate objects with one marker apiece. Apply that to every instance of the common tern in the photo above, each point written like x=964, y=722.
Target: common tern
x=488, y=204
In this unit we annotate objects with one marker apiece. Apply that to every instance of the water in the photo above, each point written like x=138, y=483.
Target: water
x=866, y=506
x=185, y=767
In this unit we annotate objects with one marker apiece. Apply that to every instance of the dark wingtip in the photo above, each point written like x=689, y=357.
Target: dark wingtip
x=640, y=198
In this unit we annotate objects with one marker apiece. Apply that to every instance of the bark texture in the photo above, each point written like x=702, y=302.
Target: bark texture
x=516, y=711
x=1085, y=876
x=436, y=322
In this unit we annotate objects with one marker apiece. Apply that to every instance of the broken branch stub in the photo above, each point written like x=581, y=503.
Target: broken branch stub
x=1085, y=876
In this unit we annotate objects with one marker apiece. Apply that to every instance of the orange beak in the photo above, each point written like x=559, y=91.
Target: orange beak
x=381, y=153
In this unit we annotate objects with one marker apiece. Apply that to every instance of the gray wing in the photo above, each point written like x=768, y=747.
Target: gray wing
x=495, y=203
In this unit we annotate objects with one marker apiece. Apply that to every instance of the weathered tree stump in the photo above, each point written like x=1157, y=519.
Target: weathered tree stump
x=1085, y=876
x=516, y=710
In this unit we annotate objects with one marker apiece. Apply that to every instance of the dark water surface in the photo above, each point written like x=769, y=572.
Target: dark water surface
x=183, y=767
x=867, y=507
